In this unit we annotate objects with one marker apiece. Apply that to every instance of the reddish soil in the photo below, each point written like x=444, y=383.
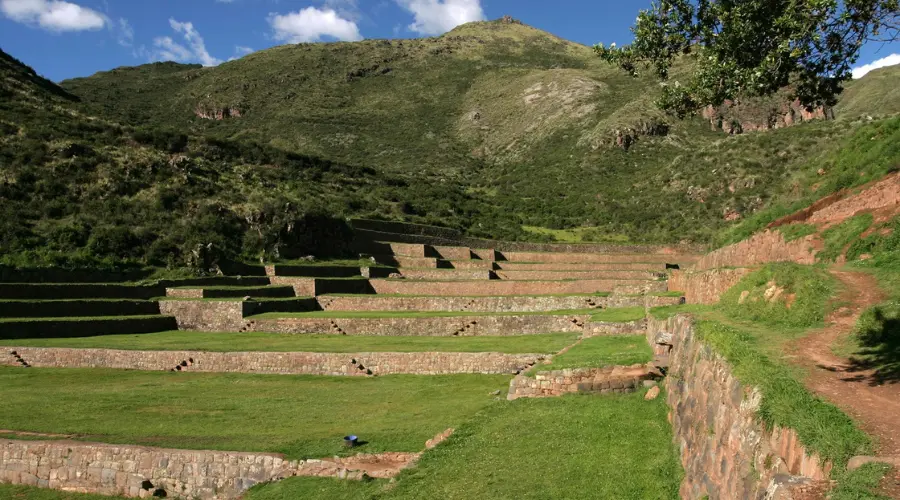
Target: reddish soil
x=874, y=405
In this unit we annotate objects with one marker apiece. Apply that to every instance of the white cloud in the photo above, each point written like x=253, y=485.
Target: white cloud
x=168, y=49
x=890, y=60
x=313, y=24
x=53, y=15
x=434, y=17
x=240, y=51
x=124, y=33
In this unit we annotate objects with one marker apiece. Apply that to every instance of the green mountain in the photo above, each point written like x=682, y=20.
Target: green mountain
x=81, y=191
x=496, y=129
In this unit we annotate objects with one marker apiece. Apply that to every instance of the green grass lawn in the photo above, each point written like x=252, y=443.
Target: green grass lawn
x=274, y=342
x=618, y=315
x=415, y=314
x=301, y=416
x=602, y=351
x=571, y=447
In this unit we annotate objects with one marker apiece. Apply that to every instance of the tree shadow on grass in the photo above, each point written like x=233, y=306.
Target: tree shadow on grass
x=879, y=340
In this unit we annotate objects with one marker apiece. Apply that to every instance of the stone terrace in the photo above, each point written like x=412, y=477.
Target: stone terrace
x=437, y=288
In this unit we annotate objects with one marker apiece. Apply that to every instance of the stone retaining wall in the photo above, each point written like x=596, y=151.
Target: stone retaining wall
x=488, y=304
x=446, y=274
x=501, y=287
x=207, y=315
x=705, y=287
x=589, y=266
x=575, y=275
x=761, y=248
x=461, y=326
x=280, y=363
x=450, y=253
x=606, y=380
x=74, y=308
x=77, y=327
x=144, y=472
x=726, y=450
x=608, y=328
x=78, y=291
x=597, y=258
x=400, y=261
x=487, y=265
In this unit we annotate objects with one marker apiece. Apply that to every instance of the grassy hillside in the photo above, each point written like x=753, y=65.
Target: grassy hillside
x=522, y=121
x=82, y=191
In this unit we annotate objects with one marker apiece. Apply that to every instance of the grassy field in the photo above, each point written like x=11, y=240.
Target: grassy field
x=301, y=416
x=602, y=351
x=419, y=314
x=274, y=342
x=618, y=314
x=571, y=447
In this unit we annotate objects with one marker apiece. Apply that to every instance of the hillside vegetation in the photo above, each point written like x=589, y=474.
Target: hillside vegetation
x=496, y=129
x=529, y=124
x=80, y=191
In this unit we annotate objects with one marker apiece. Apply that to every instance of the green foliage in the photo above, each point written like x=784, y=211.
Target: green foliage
x=821, y=427
x=860, y=484
x=781, y=294
x=867, y=153
x=840, y=237
x=793, y=232
x=596, y=352
x=522, y=123
x=301, y=416
x=882, y=243
x=753, y=48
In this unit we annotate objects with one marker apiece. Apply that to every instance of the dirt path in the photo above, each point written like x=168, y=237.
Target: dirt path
x=875, y=406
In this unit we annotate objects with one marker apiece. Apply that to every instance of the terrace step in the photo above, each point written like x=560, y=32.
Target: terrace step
x=236, y=292
x=75, y=308
x=583, y=266
x=430, y=326
x=489, y=265
x=43, y=291
x=322, y=271
x=487, y=304
x=18, y=328
x=447, y=274
x=576, y=275
x=400, y=261
x=507, y=287
x=597, y=258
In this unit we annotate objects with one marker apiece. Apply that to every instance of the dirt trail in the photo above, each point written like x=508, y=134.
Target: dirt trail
x=876, y=407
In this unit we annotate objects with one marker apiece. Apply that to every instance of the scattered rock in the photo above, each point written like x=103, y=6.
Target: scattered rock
x=495, y=393
x=652, y=394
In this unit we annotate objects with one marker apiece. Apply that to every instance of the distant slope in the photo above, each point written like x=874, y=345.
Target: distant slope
x=81, y=191
x=877, y=94
x=529, y=126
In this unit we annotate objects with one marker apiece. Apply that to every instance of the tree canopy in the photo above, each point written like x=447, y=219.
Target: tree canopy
x=753, y=47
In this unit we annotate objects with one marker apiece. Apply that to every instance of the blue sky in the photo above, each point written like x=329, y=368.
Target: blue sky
x=69, y=38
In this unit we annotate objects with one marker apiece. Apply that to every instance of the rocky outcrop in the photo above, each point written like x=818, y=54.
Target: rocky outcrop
x=217, y=113
x=737, y=117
